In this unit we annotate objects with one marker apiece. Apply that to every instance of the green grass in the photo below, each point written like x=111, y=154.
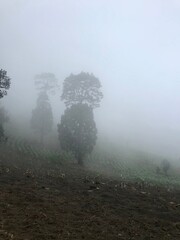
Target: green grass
x=133, y=166
x=128, y=165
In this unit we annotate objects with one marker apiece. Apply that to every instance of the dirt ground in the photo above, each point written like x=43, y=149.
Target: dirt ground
x=74, y=203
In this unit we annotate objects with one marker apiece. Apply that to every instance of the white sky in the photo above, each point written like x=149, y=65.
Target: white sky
x=133, y=47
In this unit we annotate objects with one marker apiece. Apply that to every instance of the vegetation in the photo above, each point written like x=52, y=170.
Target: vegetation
x=3, y=115
x=82, y=88
x=104, y=160
x=42, y=117
x=3, y=119
x=5, y=82
x=77, y=131
x=46, y=82
x=36, y=182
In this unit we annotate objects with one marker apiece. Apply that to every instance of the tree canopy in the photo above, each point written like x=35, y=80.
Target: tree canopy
x=5, y=82
x=77, y=130
x=46, y=82
x=82, y=88
x=42, y=117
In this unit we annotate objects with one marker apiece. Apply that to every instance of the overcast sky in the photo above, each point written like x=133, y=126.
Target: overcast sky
x=133, y=47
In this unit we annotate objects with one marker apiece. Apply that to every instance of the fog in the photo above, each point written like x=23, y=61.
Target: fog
x=133, y=47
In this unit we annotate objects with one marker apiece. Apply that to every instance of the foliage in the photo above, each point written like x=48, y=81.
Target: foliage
x=3, y=119
x=46, y=82
x=104, y=160
x=82, y=88
x=77, y=131
x=42, y=117
x=2, y=136
x=3, y=116
x=4, y=83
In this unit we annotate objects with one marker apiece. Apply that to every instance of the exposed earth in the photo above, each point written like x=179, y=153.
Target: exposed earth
x=71, y=202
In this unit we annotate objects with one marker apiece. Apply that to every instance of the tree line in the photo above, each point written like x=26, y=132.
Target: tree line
x=77, y=129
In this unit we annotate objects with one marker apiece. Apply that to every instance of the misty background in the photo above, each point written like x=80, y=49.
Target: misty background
x=133, y=47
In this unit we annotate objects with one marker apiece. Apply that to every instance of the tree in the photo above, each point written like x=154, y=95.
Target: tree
x=42, y=117
x=3, y=119
x=2, y=136
x=3, y=116
x=77, y=131
x=46, y=82
x=4, y=83
x=82, y=88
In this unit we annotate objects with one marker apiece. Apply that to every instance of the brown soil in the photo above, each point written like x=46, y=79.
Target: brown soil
x=73, y=203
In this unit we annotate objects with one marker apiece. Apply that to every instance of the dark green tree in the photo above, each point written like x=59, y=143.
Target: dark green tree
x=42, y=117
x=4, y=83
x=82, y=88
x=77, y=131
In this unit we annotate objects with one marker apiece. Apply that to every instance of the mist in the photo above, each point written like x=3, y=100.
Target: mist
x=133, y=47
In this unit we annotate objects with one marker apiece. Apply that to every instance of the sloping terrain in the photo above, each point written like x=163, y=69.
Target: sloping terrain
x=69, y=202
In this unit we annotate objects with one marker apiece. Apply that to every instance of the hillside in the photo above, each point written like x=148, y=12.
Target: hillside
x=68, y=202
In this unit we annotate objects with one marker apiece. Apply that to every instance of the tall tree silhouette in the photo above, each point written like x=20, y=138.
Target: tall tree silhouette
x=42, y=118
x=77, y=130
